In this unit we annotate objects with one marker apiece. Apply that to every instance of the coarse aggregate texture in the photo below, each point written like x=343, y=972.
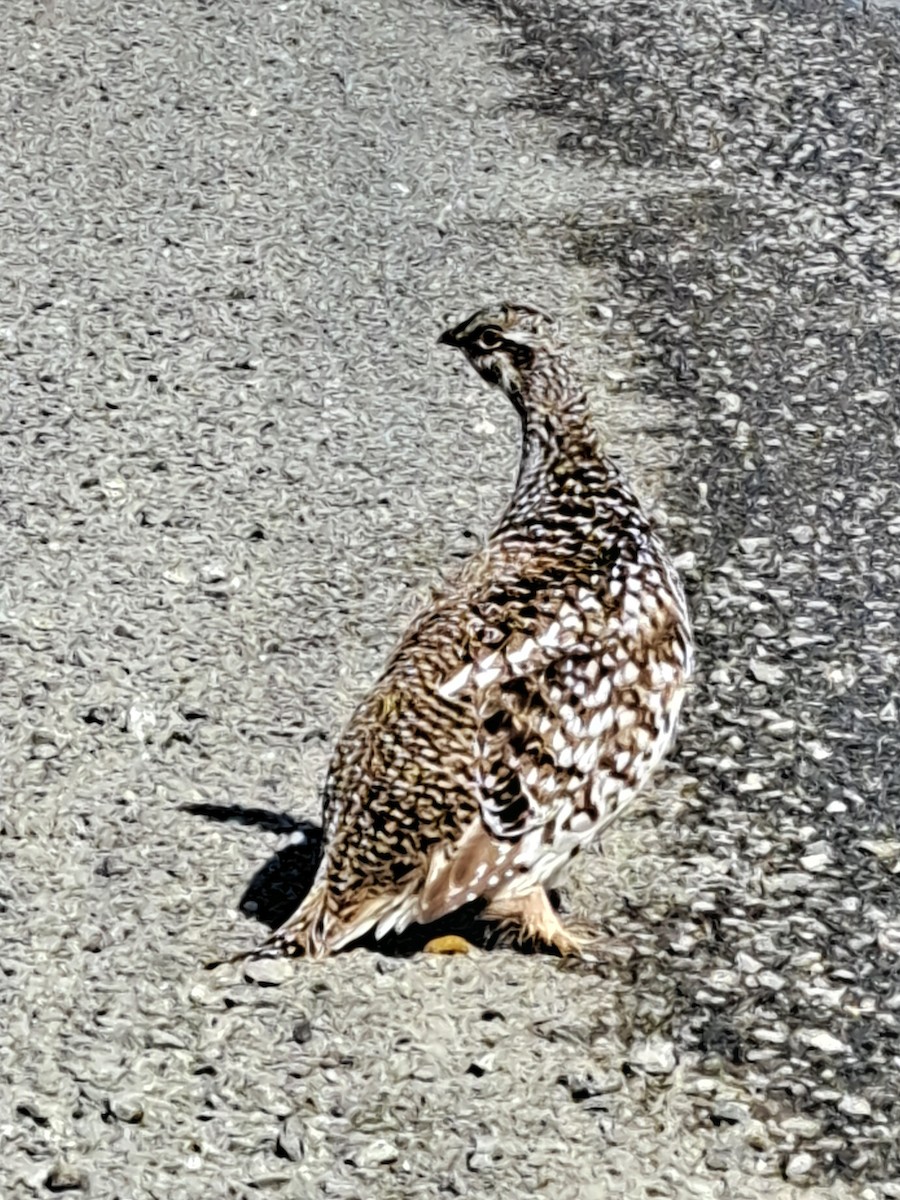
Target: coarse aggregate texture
x=231, y=461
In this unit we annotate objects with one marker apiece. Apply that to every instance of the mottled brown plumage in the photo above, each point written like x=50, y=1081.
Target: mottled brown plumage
x=526, y=705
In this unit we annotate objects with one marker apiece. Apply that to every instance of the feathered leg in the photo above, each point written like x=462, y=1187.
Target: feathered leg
x=531, y=918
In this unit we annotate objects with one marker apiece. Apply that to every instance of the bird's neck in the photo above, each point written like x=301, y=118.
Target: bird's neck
x=558, y=441
x=550, y=396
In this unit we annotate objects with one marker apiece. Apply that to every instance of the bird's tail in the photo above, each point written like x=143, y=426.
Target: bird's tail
x=308, y=933
x=317, y=929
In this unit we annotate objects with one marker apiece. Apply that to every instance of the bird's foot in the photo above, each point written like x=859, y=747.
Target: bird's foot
x=450, y=943
x=531, y=920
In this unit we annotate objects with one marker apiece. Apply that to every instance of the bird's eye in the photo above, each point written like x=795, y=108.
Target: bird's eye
x=490, y=339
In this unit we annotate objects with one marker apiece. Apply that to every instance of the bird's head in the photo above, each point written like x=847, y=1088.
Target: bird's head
x=503, y=343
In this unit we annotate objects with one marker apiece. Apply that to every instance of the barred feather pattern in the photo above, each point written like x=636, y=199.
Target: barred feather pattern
x=527, y=705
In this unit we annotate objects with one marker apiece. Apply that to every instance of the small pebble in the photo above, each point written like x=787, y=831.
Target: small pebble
x=820, y=1039
x=815, y=862
x=802, y=1126
x=63, y=1178
x=731, y=1111
x=773, y=1036
x=269, y=972
x=302, y=1031
x=373, y=1153
x=289, y=1143
x=802, y=534
x=766, y=672
x=719, y=1158
x=127, y=1108
x=855, y=1106
x=772, y=980
x=799, y=1165
x=656, y=1056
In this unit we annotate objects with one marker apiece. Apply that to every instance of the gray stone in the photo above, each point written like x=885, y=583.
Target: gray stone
x=731, y=1111
x=302, y=1031
x=719, y=1158
x=800, y=1166
x=127, y=1107
x=289, y=1142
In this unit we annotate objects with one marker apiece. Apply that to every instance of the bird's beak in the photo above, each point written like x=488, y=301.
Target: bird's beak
x=455, y=335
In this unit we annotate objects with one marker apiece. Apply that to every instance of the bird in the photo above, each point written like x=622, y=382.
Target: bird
x=526, y=704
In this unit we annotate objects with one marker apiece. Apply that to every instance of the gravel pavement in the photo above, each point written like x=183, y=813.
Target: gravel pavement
x=233, y=461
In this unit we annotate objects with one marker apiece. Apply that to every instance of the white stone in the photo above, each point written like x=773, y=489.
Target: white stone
x=526, y=650
x=799, y=1165
x=656, y=1056
x=269, y=971
x=766, y=672
x=802, y=1126
x=686, y=561
x=816, y=862
x=821, y=1039
x=752, y=782
x=141, y=720
x=374, y=1153
x=486, y=678
x=772, y=1036
x=802, y=534
x=855, y=1106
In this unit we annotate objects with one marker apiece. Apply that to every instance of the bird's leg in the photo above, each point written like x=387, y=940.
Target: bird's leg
x=532, y=918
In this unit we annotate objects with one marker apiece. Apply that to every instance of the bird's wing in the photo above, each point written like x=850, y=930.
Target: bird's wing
x=523, y=667
x=533, y=696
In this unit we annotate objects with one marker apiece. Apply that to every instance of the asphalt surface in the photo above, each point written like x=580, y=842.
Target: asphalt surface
x=233, y=461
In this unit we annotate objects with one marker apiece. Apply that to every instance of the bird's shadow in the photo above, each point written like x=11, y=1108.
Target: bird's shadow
x=281, y=884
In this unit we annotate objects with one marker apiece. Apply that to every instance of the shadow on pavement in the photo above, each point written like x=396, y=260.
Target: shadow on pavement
x=280, y=885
